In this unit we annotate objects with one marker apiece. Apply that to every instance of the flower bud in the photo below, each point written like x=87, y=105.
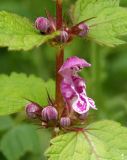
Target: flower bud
x=42, y=24
x=65, y=122
x=63, y=37
x=83, y=116
x=49, y=113
x=83, y=29
x=32, y=110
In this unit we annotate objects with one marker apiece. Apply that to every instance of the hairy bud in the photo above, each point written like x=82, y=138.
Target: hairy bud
x=32, y=110
x=49, y=113
x=65, y=122
x=83, y=116
x=63, y=37
x=42, y=24
x=83, y=29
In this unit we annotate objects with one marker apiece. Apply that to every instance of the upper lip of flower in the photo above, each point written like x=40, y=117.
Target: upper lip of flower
x=73, y=63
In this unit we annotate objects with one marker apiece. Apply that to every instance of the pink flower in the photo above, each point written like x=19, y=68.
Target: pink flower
x=73, y=87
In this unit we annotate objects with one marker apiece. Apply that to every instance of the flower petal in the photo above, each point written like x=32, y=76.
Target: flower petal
x=79, y=84
x=73, y=64
x=81, y=104
x=92, y=103
x=67, y=91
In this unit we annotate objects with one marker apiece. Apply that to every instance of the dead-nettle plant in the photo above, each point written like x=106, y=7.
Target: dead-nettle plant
x=102, y=21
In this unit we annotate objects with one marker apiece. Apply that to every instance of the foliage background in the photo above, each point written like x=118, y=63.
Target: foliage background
x=106, y=80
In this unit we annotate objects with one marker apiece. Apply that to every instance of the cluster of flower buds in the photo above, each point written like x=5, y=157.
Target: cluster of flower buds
x=47, y=114
x=73, y=87
x=48, y=25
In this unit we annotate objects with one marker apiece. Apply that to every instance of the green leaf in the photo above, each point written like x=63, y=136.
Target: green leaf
x=109, y=21
x=6, y=122
x=19, y=141
x=18, y=33
x=104, y=140
x=16, y=88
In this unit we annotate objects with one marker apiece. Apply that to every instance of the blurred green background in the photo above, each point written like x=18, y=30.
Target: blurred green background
x=106, y=82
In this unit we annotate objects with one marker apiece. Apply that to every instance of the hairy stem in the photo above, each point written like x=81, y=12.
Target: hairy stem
x=59, y=18
x=59, y=60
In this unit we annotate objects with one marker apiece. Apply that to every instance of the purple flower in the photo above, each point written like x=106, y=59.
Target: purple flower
x=73, y=87
x=49, y=113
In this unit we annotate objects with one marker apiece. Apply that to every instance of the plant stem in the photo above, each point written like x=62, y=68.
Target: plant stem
x=59, y=18
x=59, y=60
